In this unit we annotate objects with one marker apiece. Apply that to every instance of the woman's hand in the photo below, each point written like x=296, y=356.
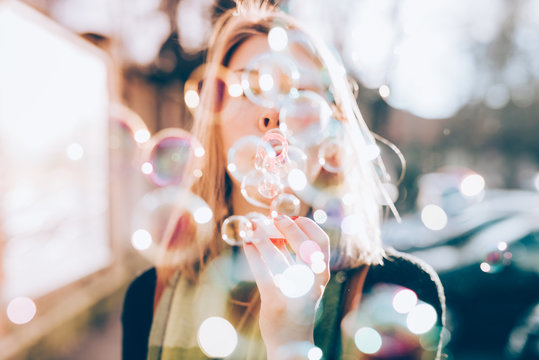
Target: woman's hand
x=290, y=287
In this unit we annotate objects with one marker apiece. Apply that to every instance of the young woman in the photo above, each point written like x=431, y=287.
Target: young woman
x=199, y=277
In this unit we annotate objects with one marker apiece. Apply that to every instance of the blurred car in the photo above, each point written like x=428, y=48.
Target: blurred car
x=486, y=251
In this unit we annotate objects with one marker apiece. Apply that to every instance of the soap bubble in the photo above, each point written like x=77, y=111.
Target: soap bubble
x=285, y=204
x=171, y=152
x=269, y=79
x=235, y=229
x=332, y=155
x=128, y=123
x=160, y=213
x=313, y=78
x=259, y=187
x=296, y=159
x=127, y=134
x=272, y=152
x=304, y=117
x=269, y=185
x=242, y=155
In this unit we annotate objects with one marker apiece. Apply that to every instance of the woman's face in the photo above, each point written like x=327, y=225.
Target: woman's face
x=239, y=116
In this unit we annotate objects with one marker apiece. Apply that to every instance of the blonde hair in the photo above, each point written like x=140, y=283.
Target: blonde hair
x=232, y=28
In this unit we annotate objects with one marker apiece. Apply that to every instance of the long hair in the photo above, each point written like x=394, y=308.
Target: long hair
x=232, y=28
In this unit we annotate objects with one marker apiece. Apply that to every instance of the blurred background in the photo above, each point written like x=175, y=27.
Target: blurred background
x=85, y=86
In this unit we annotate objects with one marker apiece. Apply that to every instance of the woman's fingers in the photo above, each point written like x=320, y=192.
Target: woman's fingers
x=261, y=273
x=267, y=260
x=315, y=233
x=291, y=231
x=309, y=242
x=273, y=257
x=304, y=236
x=274, y=236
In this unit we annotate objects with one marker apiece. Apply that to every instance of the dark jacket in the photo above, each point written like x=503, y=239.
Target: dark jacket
x=398, y=269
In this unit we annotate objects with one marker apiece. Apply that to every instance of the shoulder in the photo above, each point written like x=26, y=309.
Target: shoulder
x=140, y=293
x=137, y=315
x=409, y=271
x=402, y=270
x=145, y=278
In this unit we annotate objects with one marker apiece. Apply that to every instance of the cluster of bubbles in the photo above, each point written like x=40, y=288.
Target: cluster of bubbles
x=392, y=323
x=170, y=159
x=301, y=159
x=293, y=163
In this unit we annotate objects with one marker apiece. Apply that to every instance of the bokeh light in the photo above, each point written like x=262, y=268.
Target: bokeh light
x=146, y=168
x=203, y=214
x=421, y=318
x=315, y=353
x=142, y=135
x=21, y=310
x=434, y=217
x=472, y=185
x=297, y=180
x=318, y=264
x=320, y=216
x=277, y=39
x=485, y=267
x=384, y=91
x=191, y=99
x=265, y=81
x=371, y=152
x=217, y=337
x=368, y=340
x=74, y=151
x=296, y=281
x=141, y=239
x=404, y=301
x=235, y=90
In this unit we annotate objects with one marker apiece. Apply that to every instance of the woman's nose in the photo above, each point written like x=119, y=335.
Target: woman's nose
x=268, y=120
